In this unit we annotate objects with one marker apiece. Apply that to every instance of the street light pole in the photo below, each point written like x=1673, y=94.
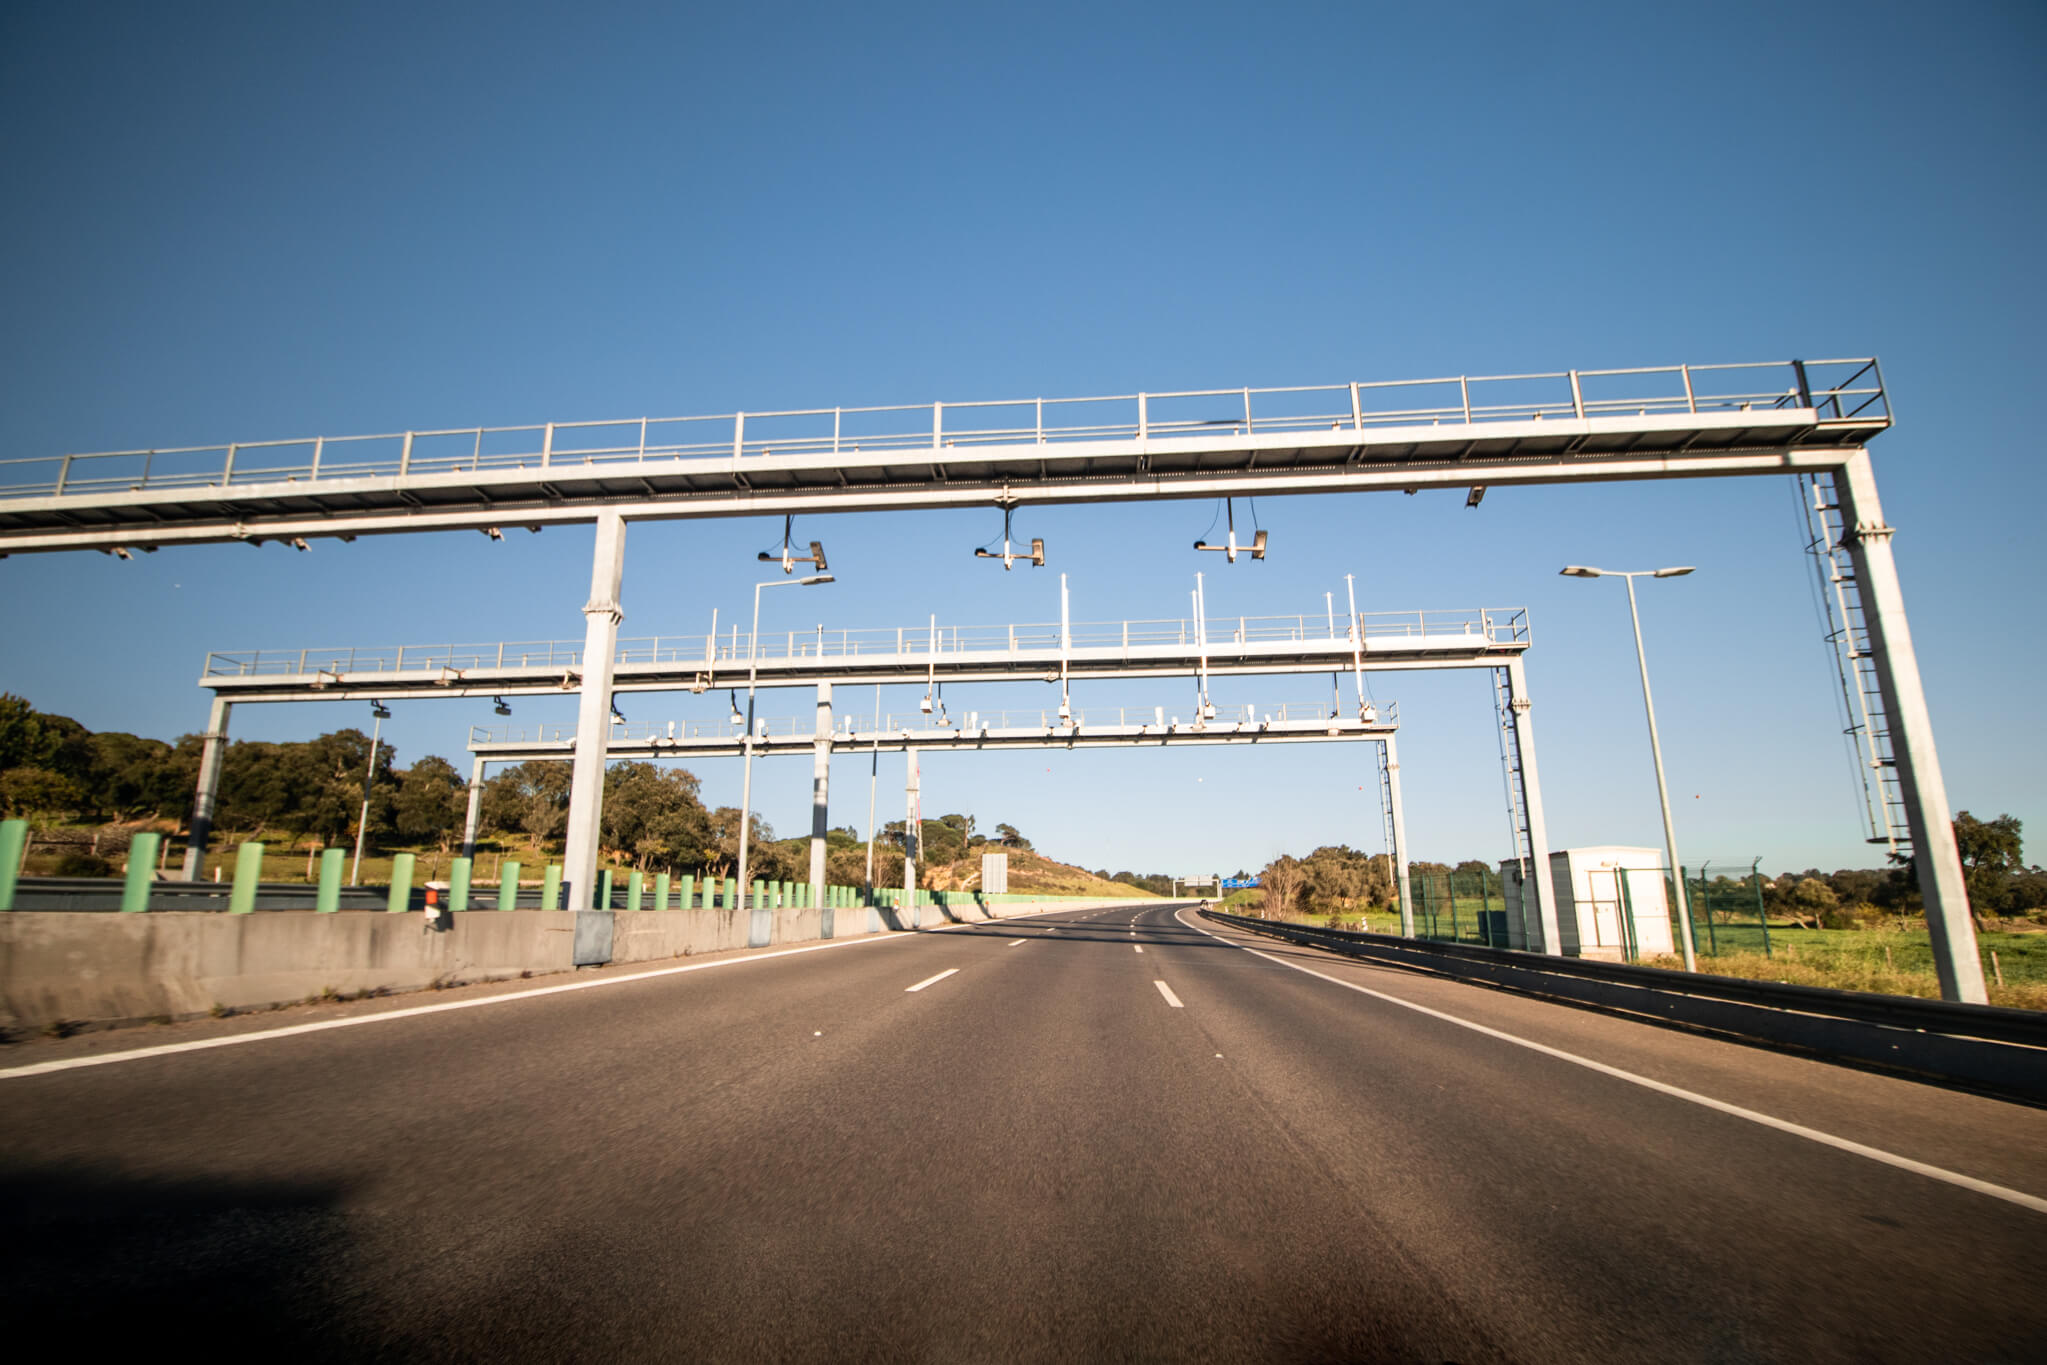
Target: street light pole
x=752, y=672
x=1677, y=875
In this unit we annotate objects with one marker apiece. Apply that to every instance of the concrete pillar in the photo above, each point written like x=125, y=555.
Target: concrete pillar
x=913, y=828
x=1401, y=888
x=820, y=782
x=1531, y=793
x=207, y=795
x=475, y=807
x=601, y=616
x=1934, y=855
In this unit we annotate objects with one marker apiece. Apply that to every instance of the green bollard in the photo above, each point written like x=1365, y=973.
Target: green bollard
x=458, y=884
x=508, y=885
x=551, y=887
x=141, y=872
x=633, y=887
x=732, y=893
x=401, y=883
x=333, y=862
x=685, y=888
x=604, y=889
x=661, y=884
x=13, y=845
x=248, y=871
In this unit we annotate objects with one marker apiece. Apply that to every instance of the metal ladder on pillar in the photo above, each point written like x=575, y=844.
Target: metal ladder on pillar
x=1865, y=723
x=1510, y=771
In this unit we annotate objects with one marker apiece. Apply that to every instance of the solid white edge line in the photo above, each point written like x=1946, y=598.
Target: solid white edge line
x=1167, y=991
x=930, y=980
x=414, y=1011
x=1903, y=1163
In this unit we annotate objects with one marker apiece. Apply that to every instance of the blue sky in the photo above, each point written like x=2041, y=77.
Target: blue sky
x=252, y=221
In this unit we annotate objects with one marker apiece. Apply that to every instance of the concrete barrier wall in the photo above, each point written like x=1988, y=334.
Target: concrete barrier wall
x=113, y=968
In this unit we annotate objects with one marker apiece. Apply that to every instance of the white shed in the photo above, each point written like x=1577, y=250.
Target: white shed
x=1592, y=887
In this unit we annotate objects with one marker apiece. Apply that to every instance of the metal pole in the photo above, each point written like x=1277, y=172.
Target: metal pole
x=873, y=781
x=746, y=769
x=1677, y=876
x=475, y=807
x=913, y=830
x=207, y=794
x=1531, y=796
x=1400, y=882
x=362, y=824
x=1920, y=786
x=820, y=783
x=1357, y=639
x=601, y=616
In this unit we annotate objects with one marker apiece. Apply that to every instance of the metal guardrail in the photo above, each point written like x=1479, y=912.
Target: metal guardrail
x=1036, y=718
x=2027, y=1028
x=1843, y=390
x=1378, y=630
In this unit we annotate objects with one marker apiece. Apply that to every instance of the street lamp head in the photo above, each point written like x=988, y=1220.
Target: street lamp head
x=1674, y=573
x=380, y=711
x=1581, y=571
x=817, y=578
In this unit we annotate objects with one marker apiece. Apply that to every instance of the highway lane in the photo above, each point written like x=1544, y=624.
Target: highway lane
x=1013, y=1142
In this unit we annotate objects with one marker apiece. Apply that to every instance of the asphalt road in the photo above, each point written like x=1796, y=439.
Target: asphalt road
x=1100, y=1135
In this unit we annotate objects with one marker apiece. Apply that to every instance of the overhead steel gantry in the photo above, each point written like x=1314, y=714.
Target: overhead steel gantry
x=975, y=732
x=1807, y=418
x=931, y=654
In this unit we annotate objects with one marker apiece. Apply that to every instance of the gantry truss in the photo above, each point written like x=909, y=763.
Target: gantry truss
x=1461, y=431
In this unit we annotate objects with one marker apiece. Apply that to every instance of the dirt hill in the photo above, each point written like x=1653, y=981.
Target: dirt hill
x=1029, y=871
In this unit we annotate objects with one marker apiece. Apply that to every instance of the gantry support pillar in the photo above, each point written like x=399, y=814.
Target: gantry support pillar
x=1531, y=794
x=820, y=784
x=475, y=807
x=207, y=795
x=1937, y=861
x=913, y=830
x=601, y=616
x=1399, y=827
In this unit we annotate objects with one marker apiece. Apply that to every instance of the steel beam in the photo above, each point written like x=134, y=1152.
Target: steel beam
x=601, y=616
x=207, y=795
x=1401, y=888
x=1935, y=857
x=1538, y=828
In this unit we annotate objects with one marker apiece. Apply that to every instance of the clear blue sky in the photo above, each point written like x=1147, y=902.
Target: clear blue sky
x=248, y=221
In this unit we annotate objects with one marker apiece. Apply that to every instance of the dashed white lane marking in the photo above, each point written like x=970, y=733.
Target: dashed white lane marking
x=1013, y=942
x=1903, y=1163
x=1167, y=991
x=1138, y=946
x=930, y=981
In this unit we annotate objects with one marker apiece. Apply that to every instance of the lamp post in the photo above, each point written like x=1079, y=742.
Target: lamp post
x=752, y=670
x=1677, y=875
x=362, y=826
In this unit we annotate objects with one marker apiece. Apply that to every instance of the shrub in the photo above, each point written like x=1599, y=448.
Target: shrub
x=84, y=865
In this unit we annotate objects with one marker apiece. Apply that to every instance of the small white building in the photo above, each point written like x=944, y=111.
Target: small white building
x=1612, y=903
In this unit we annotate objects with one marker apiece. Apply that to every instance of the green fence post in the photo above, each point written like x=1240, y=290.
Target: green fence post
x=603, y=901
x=13, y=847
x=729, y=897
x=635, y=886
x=551, y=887
x=141, y=871
x=400, y=899
x=661, y=885
x=508, y=885
x=458, y=884
x=248, y=872
x=333, y=862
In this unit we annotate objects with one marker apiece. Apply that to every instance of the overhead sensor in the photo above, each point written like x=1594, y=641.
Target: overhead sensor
x=788, y=558
x=1010, y=555
x=1230, y=548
